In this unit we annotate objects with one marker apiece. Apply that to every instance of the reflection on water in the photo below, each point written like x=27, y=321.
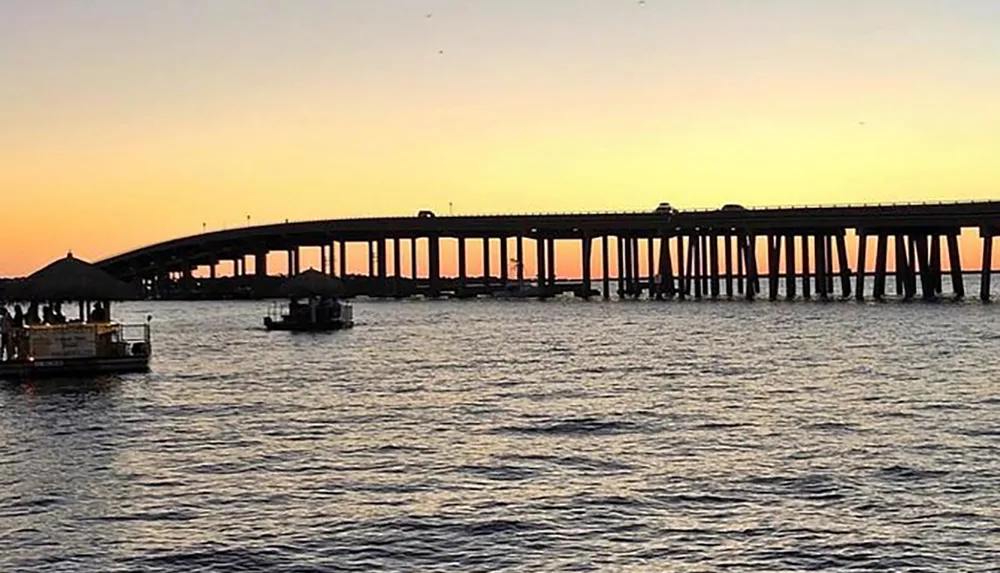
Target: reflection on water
x=82, y=388
x=531, y=436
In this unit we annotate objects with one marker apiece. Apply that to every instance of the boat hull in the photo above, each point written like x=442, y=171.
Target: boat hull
x=69, y=367
x=306, y=327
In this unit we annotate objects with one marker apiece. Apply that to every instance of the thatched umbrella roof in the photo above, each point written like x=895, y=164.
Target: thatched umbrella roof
x=70, y=279
x=312, y=283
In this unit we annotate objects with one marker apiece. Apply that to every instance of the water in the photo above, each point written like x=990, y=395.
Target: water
x=521, y=436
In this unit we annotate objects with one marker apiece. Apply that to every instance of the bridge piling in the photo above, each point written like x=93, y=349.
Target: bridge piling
x=881, y=256
x=859, y=289
x=682, y=271
x=620, y=260
x=828, y=255
x=713, y=255
x=650, y=266
x=902, y=265
x=605, y=268
x=820, y=248
x=955, y=266
x=806, y=271
x=504, y=262
x=487, y=279
x=434, y=265
x=727, y=245
x=935, y=264
x=540, y=263
x=987, y=266
x=844, y=266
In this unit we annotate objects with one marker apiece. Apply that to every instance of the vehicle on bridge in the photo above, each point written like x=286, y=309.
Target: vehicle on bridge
x=732, y=207
x=424, y=214
x=322, y=310
x=665, y=209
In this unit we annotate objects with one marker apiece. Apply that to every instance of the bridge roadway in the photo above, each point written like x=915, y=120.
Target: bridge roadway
x=700, y=238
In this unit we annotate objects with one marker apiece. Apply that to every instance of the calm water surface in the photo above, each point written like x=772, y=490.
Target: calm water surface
x=521, y=436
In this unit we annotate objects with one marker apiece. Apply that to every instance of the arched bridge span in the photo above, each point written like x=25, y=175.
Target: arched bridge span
x=701, y=237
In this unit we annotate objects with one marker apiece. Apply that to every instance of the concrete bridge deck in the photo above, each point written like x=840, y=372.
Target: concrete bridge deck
x=686, y=248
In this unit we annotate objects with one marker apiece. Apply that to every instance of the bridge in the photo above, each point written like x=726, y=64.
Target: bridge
x=699, y=254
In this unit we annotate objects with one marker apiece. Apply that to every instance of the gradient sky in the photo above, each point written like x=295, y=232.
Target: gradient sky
x=127, y=122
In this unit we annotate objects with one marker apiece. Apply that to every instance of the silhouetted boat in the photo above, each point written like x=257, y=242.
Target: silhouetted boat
x=321, y=311
x=90, y=345
x=317, y=314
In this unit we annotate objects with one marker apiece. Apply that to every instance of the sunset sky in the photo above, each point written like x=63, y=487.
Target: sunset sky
x=127, y=122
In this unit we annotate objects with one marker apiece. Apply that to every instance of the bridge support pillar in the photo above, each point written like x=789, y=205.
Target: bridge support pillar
x=212, y=269
x=696, y=256
x=343, y=259
x=487, y=279
x=713, y=257
x=650, y=268
x=955, y=265
x=773, y=264
x=413, y=261
x=987, y=266
x=462, y=280
x=666, y=271
x=504, y=261
x=790, y=267
x=749, y=254
x=859, y=289
x=683, y=253
x=371, y=260
x=927, y=282
x=540, y=263
x=322, y=259
x=806, y=270
x=820, y=248
x=844, y=266
x=605, y=269
x=519, y=251
x=740, y=263
x=622, y=256
x=902, y=265
x=550, y=258
x=703, y=255
x=728, y=255
x=397, y=264
x=260, y=264
x=434, y=265
x=881, y=256
x=585, y=249
x=935, y=263
x=828, y=242
x=383, y=262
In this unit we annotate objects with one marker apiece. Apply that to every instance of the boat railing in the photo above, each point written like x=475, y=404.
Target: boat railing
x=105, y=339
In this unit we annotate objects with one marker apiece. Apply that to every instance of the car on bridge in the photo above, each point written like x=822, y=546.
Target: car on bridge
x=423, y=214
x=732, y=207
x=665, y=209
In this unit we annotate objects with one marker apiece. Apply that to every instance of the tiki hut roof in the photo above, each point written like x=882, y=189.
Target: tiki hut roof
x=71, y=279
x=312, y=283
